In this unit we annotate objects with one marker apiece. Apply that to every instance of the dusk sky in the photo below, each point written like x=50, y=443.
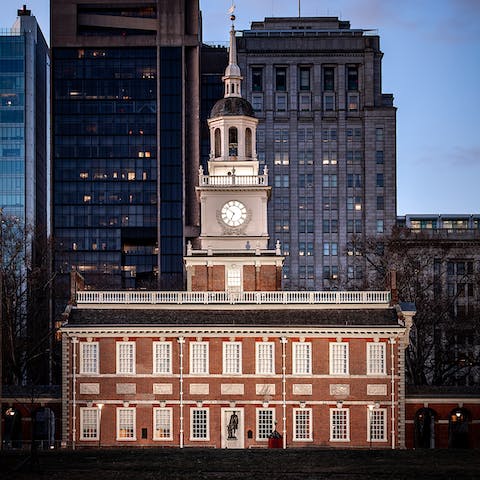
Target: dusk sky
x=431, y=64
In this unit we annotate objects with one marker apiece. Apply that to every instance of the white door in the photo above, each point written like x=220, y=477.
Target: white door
x=232, y=428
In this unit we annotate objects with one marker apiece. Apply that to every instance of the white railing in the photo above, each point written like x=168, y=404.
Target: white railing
x=229, y=180
x=208, y=298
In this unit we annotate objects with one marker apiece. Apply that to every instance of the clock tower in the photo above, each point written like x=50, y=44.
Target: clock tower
x=232, y=253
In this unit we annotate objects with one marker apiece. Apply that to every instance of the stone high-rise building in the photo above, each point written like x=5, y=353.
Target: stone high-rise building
x=327, y=134
x=125, y=139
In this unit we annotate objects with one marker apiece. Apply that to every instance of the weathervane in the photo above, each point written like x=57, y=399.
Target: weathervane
x=231, y=11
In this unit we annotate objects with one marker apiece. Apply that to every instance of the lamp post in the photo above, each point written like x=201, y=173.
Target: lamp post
x=100, y=406
x=370, y=415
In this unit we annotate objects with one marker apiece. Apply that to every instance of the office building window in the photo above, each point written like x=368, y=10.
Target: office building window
x=379, y=157
x=330, y=272
x=280, y=79
x=126, y=423
x=234, y=278
x=125, y=357
x=377, y=425
x=380, y=180
x=329, y=102
x=353, y=100
x=282, y=181
x=329, y=181
x=162, y=358
x=380, y=202
x=281, y=158
x=302, y=424
x=352, y=79
x=265, y=358
x=338, y=358
x=304, y=78
x=376, y=358
x=339, y=425
x=89, y=357
x=257, y=79
x=304, y=102
x=199, y=424
x=328, y=79
x=302, y=358
x=379, y=134
x=162, y=424
x=257, y=102
x=199, y=358
x=88, y=423
x=265, y=422
x=232, y=358
x=281, y=102
x=281, y=226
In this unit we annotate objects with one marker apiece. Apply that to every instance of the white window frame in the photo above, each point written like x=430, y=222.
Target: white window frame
x=377, y=418
x=232, y=358
x=335, y=427
x=301, y=361
x=261, y=363
x=120, y=362
x=167, y=423
x=196, y=367
x=162, y=357
x=133, y=412
x=89, y=361
x=262, y=431
x=298, y=428
x=376, y=358
x=334, y=360
x=233, y=279
x=193, y=437
x=84, y=420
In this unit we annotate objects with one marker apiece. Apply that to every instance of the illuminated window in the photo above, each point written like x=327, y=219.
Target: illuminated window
x=126, y=423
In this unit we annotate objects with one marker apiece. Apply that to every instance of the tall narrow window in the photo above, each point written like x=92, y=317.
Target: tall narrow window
x=88, y=423
x=162, y=358
x=339, y=425
x=199, y=424
x=302, y=424
x=234, y=279
x=257, y=79
x=232, y=358
x=125, y=357
x=199, y=358
x=126, y=423
x=280, y=79
x=218, y=143
x=304, y=78
x=352, y=79
x=232, y=141
x=376, y=358
x=265, y=358
x=88, y=357
x=377, y=425
x=162, y=424
x=328, y=79
x=339, y=358
x=248, y=143
x=302, y=358
x=265, y=422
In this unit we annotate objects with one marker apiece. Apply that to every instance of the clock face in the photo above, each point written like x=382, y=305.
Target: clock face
x=234, y=213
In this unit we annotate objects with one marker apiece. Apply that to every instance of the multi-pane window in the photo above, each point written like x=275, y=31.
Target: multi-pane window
x=265, y=422
x=126, y=423
x=88, y=423
x=304, y=78
x=199, y=358
x=328, y=79
x=338, y=358
x=339, y=425
x=379, y=134
x=376, y=358
x=380, y=202
x=162, y=358
x=265, y=358
x=302, y=358
x=377, y=425
x=280, y=79
x=380, y=180
x=330, y=272
x=379, y=157
x=329, y=102
x=199, y=424
x=125, y=357
x=162, y=424
x=257, y=79
x=302, y=429
x=281, y=102
x=232, y=358
x=257, y=102
x=89, y=357
x=281, y=226
x=329, y=181
x=282, y=181
x=234, y=279
x=380, y=226
x=352, y=79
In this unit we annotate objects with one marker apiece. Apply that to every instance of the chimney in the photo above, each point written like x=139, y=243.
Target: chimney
x=393, y=287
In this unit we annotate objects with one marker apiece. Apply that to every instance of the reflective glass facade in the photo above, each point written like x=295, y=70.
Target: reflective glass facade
x=12, y=125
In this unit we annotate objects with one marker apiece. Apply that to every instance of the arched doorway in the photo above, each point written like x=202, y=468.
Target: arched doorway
x=425, y=428
x=44, y=427
x=458, y=426
x=13, y=428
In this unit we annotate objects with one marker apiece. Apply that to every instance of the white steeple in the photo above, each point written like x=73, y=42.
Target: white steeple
x=232, y=78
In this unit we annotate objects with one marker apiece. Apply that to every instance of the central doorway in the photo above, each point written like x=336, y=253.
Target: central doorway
x=232, y=434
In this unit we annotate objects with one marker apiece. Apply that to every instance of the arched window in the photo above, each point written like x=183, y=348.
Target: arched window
x=425, y=428
x=233, y=141
x=458, y=428
x=218, y=143
x=248, y=142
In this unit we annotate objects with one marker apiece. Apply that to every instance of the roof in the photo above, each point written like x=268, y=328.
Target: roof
x=275, y=317
x=232, y=106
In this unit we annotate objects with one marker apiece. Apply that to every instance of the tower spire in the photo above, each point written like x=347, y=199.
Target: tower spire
x=232, y=77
